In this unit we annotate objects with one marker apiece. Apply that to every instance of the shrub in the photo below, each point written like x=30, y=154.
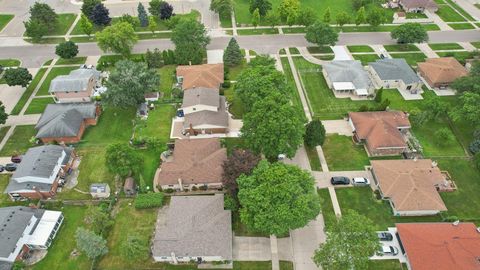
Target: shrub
x=169, y=190
x=226, y=84
x=474, y=147
x=450, y=218
x=177, y=93
x=314, y=134
x=444, y=136
x=230, y=203
x=149, y=200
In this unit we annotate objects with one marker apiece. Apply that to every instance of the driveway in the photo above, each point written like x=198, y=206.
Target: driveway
x=341, y=127
x=10, y=95
x=251, y=248
x=393, y=243
x=341, y=53
x=305, y=241
x=300, y=159
x=323, y=178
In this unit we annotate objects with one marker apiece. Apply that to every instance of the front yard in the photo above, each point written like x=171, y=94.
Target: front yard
x=38, y=105
x=4, y=20
x=342, y=154
x=19, y=141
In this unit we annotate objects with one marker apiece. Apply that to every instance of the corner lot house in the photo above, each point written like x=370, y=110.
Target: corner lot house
x=410, y=186
x=66, y=122
x=78, y=86
x=207, y=75
x=195, y=162
x=383, y=133
x=440, y=246
x=39, y=173
x=24, y=230
x=394, y=73
x=197, y=228
x=348, y=76
x=441, y=72
x=418, y=6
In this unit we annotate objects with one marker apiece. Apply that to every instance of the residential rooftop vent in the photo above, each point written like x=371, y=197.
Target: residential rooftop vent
x=456, y=223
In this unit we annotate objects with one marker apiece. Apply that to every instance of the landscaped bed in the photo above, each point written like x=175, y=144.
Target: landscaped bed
x=342, y=154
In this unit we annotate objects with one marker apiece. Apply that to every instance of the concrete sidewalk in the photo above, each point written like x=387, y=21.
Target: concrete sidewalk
x=19, y=120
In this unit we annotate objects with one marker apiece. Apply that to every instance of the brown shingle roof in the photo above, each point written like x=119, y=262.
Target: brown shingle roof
x=195, y=161
x=441, y=246
x=427, y=4
x=380, y=129
x=207, y=75
x=442, y=70
x=410, y=184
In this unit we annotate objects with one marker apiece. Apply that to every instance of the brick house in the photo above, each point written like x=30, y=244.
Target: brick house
x=78, y=86
x=441, y=72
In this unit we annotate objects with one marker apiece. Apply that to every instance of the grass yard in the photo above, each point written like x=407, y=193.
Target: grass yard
x=226, y=20
x=448, y=14
x=64, y=22
x=293, y=50
x=342, y=154
x=293, y=30
x=28, y=92
x=460, y=10
x=365, y=58
x=313, y=158
x=3, y=132
x=359, y=48
x=401, y=48
x=73, y=61
x=327, y=208
x=461, y=56
x=445, y=46
x=326, y=57
x=158, y=123
x=461, y=26
x=154, y=36
x=295, y=96
x=323, y=49
x=258, y=31
x=9, y=62
x=83, y=39
x=411, y=58
x=476, y=44
x=434, y=147
x=19, y=141
x=4, y=20
x=236, y=106
x=386, y=264
x=38, y=105
x=236, y=70
x=414, y=15
x=54, y=72
x=167, y=79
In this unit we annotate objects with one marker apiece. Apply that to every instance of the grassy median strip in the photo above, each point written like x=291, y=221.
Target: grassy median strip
x=4, y=20
x=28, y=92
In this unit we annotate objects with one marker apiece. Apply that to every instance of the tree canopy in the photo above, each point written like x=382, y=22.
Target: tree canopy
x=375, y=16
x=88, y=5
x=3, y=114
x=240, y=162
x=166, y=11
x=44, y=14
x=190, y=39
x=263, y=6
x=289, y=10
x=142, y=15
x=91, y=244
x=135, y=247
x=410, y=33
x=233, y=55
x=122, y=159
x=221, y=6
x=17, y=76
x=98, y=219
x=86, y=25
x=118, y=38
x=314, y=133
x=321, y=34
x=66, y=50
x=100, y=15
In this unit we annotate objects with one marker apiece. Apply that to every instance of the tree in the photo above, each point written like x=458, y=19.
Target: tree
x=272, y=18
x=263, y=60
x=134, y=247
x=307, y=16
x=410, y=33
x=476, y=160
x=154, y=7
x=66, y=50
x=35, y=29
x=152, y=24
x=100, y=15
x=86, y=25
x=166, y=11
x=256, y=18
x=321, y=34
x=190, y=39
x=273, y=113
x=327, y=17
x=44, y=14
x=357, y=4
x=142, y=15
x=121, y=159
x=17, y=76
x=468, y=109
x=153, y=59
x=118, y=38
x=342, y=18
x=263, y=6
x=92, y=245
x=3, y=114
x=435, y=107
x=98, y=219
x=314, y=133
x=350, y=243
x=222, y=7
x=361, y=17
x=233, y=55
x=375, y=16
x=129, y=82
x=88, y=5
x=444, y=136
x=289, y=8
x=470, y=82
x=133, y=21
x=239, y=162
x=277, y=198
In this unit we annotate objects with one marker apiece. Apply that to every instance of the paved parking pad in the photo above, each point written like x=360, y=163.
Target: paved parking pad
x=393, y=243
x=323, y=178
x=251, y=248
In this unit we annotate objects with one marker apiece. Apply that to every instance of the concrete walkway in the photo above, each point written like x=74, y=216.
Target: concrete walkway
x=305, y=241
x=274, y=251
x=335, y=204
x=438, y=21
x=379, y=50
x=469, y=8
x=341, y=53
x=67, y=35
x=92, y=60
x=467, y=46
x=308, y=56
x=427, y=50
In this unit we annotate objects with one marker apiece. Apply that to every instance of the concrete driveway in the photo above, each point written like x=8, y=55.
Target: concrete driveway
x=10, y=95
x=300, y=159
x=393, y=243
x=341, y=127
x=251, y=248
x=305, y=241
x=323, y=178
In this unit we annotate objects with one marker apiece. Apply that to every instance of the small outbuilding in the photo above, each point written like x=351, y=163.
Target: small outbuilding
x=100, y=190
x=130, y=188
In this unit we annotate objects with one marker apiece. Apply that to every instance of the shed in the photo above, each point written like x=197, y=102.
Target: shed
x=100, y=190
x=130, y=188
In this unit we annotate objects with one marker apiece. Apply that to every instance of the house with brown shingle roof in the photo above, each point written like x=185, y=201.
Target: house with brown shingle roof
x=441, y=72
x=440, y=246
x=382, y=132
x=418, y=6
x=194, y=163
x=410, y=186
x=207, y=75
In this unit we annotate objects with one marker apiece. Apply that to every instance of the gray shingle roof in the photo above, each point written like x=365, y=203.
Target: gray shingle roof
x=77, y=80
x=195, y=226
x=219, y=118
x=201, y=95
x=98, y=188
x=64, y=119
x=395, y=69
x=348, y=71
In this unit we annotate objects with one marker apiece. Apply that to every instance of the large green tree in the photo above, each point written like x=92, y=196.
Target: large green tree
x=35, y=29
x=44, y=14
x=321, y=34
x=470, y=82
x=307, y=16
x=276, y=198
x=100, y=15
x=410, y=33
x=468, y=109
x=263, y=6
x=222, y=7
x=17, y=76
x=129, y=82
x=342, y=18
x=191, y=40
x=99, y=219
x=142, y=15
x=66, y=50
x=314, y=133
x=118, y=38
x=232, y=55
x=91, y=244
x=88, y=5
x=350, y=243
x=3, y=114
x=361, y=17
x=122, y=159
x=86, y=25
x=289, y=9
x=375, y=16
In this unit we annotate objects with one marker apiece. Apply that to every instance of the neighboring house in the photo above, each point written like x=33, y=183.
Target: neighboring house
x=78, y=86
x=441, y=72
x=194, y=163
x=348, y=76
x=410, y=185
x=25, y=230
x=394, y=73
x=440, y=246
x=41, y=171
x=382, y=132
x=66, y=122
x=100, y=190
x=207, y=75
x=196, y=228
x=418, y=6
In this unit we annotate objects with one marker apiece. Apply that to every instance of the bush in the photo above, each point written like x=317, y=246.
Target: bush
x=314, y=133
x=177, y=93
x=474, y=147
x=226, y=84
x=476, y=160
x=450, y=218
x=230, y=203
x=203, y=187
x=149, y=200
x=169, y=190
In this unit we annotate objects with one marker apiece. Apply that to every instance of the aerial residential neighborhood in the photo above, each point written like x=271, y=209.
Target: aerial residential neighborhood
x=240, y=134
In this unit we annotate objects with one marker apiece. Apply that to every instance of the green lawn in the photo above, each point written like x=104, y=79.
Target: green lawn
x=154, y=36
x=225, y=20
x=445, y=46
x=3, y=132
x=258, y=31
x=476, y=44
x=461, y=26
x=414, y=15
x=236, y=106
x=9, y=62
x=401, y=48
x=460, y=10
x=365, y=58
x=342, y=154
x=83, y=39
x=359, y=48
x=167, y=79
x=313, y=158
x=411, y=58
x=53, y=40
x=327, y=208
x=28, y=92
x=432, y=146
x=386, y=264
x=382, y=28
x=295, y=96
x=461, y=56
x=19, y=141
x=4, y=199
x=54, y=72
x=38, y=105
x=293, y=50
x=323, y=49
x=448, y=14
x=64, y=22
x=4, y=20
x=158, y=123
x=293, y=30
x=235, y=71
x=73, y=61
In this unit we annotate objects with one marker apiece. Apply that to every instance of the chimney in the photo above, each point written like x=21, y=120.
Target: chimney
x=434, y=164
x=180, y=184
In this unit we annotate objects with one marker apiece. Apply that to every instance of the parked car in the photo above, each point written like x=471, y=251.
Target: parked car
x=388, y=250
x=2, y=168
x=340, y=180
x=360, y=181
x=16, y=159
x=10, y=167
x=384, y=236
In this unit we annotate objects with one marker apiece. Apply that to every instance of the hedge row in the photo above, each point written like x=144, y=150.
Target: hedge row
x=149, y=200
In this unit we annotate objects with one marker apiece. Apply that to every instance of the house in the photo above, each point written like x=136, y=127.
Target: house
x=130, y=188
x=410, y=185
x=66, y=122
x=394, y=73
x=440, y=246
x=41, y=171
x=441, y=72
x=78, y=86
x=100, y=190
x=194, y=163
x=418, y=6
x=382, y=132
x=207, y=75
x=25, y=230
x=348, y=76
x=196, y=228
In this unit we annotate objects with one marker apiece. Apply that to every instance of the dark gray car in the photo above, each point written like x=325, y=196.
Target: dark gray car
x=340, y=180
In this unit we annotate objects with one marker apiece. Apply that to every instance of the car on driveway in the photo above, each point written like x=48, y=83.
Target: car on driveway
x=360, y=181
x=384, y=236
x=11, y=167
x=16, y=159
x=388, y=250
x=340, y=180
